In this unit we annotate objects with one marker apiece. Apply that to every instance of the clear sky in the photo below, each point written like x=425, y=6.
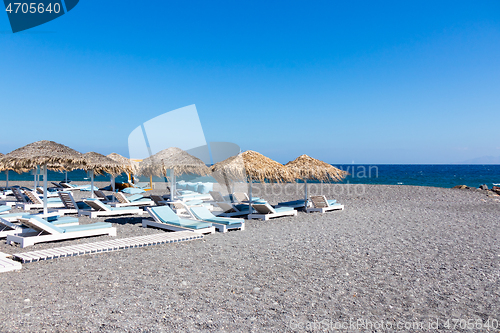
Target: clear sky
x=342, y=81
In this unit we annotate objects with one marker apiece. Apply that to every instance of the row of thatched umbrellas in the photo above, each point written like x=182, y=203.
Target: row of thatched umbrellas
x=248, y=165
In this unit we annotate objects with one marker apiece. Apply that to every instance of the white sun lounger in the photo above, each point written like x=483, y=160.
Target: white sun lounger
x=134, y=200
x=322, y=205
x=46, y=232
x=222, y=224
x=230, y=210
x=265, y=211
x=164, y=218
x=70, y=205
x=39, y=191
x=9, y=228
x=37, y=203
x=103, y=197
x=101, y=209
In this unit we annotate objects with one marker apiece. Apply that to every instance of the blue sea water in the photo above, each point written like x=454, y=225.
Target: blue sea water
x=436, y=175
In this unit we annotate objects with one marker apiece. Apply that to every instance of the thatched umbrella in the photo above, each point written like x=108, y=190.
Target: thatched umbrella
x=130, y=167
x=308, y=168
x=48, y=154
x=176, y=160
x=100, y=164
x=251, y=166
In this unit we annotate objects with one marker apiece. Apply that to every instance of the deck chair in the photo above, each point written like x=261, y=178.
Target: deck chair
x=39, y=191
x=180, y=207
x=37, y=203
x=164, y=218
x=321, y=204
x=101, y=209
x=297, y=204
x=71, y=187
x=242, y=197
x=46, y=232
x=158, y=200
x=222, y=224
x=133, y=200
x=70, y=205
x=265, y=211
x=230, y=210
x=103, y=197
x=9, y=228
x=217, y=196
x=193, y=196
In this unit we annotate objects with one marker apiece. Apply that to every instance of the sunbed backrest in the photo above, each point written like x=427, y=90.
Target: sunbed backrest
x=39, y=190
x=264, y=208
x=33, y=197
x=39, y=224
x=319, y=201
x=164, y=214
x=157, y=199
x=121, y=198
x=68, y=200
x=100, y=194
x=95, y=204
x=217, y=196
x=202, y=213
x=240, y=196
x=227, y=207
x=18, y=194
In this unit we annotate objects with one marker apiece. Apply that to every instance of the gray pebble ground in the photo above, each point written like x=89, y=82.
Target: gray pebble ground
x=396, y=254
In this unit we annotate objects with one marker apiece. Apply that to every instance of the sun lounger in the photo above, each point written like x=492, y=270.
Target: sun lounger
x=242, y=197
x=37, y=203
x=183, y=207
x=70, y=205
x=46, y=232
x=193, y=196
x=134, y=200
x=265, y=211
x=322, y=205
x=39, y=191
x=71, y=187
x=222, y=224
x=101, y=209
x=4, y=209
x=294, y=204
x=164, y=218
x=9, y=228
x=103, y=197
x=218, y=197
x=158, y=200
x=230, y=210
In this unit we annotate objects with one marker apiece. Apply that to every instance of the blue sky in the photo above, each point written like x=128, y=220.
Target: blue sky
x=397, y=82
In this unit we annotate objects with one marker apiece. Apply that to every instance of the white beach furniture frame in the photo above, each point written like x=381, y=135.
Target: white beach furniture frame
x=101, y=209
x=123, y=201
x=221, y=224
x=170, y=221
x=322, y=205
x=229, y=210
x=265, y=211
x=37, y=203
x=46, y=232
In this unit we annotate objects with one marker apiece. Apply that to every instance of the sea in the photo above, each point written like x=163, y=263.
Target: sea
x=435, y=175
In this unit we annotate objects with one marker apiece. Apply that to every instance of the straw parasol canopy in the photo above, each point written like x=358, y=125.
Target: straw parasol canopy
x=175, y=159
x=128, y=165
x=308, y=168
x=55, y=155
x=251, y=165
x=101, y=164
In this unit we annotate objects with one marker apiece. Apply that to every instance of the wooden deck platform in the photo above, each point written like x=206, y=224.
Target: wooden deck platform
x=107, y=246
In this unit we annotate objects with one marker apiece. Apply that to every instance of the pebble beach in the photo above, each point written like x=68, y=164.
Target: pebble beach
x=395, y=255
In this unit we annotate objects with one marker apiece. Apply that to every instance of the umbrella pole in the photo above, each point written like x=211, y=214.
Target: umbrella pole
x=250, y=208
x=151, y=182
x=44, y=189
x=92, y=184
x=6, y=179
x=66, y=177
x=113, y=186
x=172, y=187
x=306, y=196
